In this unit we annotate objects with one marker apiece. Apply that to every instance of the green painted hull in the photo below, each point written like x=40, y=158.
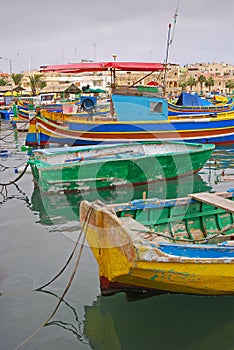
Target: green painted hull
x=118, y=168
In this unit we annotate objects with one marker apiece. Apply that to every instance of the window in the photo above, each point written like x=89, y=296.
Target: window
x=156, y=107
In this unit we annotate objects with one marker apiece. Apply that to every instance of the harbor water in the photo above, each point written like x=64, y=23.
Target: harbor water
x=37, y=235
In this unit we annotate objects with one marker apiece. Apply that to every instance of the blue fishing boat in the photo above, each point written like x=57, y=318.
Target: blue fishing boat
x=189, y=104
x=140, y=116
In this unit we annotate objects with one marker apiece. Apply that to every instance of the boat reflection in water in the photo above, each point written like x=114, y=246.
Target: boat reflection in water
x=160, y=322
x=165, y=321
x=60, y=208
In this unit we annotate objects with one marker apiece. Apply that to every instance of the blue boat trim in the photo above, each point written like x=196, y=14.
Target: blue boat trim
x=205, y=251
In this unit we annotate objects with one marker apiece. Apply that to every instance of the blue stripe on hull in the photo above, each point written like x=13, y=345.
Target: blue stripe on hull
x=66, y=140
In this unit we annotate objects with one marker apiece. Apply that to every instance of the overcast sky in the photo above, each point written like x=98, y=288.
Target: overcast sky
x=45, y=32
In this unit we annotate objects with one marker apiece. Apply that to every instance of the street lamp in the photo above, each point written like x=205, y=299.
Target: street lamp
x=10, y=63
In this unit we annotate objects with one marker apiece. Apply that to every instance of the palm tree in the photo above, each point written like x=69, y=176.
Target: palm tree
x=36, y=83
x=3, y=82
x=183, y=85
x=191, y=82
x=201, y=80
x=209, y=83
x=17, y=78
x=230, y=85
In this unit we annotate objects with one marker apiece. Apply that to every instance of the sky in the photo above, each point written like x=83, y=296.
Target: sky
x=47, y=32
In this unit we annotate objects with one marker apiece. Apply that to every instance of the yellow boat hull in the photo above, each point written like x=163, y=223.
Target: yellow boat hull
x=127, y=262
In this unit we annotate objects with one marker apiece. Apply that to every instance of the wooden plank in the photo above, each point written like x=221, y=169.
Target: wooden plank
x=215, y=200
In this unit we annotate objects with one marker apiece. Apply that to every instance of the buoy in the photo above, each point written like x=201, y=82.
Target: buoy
x=5, y=153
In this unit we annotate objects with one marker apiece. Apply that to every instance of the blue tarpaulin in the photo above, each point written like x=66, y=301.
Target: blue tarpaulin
x=187, y=99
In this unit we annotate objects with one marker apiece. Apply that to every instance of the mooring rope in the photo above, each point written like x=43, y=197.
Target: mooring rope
x=77, y=330
x=83, y=230
x=15, y=180
x=15, y=130
x=205, y=239
x=5, y=167
x=86, y=220
x=87, y=217
x=5, y=136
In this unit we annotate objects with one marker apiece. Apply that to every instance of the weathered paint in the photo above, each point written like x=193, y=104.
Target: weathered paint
x=131, y=257
x=106, y=166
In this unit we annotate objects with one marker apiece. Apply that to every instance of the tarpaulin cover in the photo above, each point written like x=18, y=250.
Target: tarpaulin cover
x=187, y=99
x=103, y=66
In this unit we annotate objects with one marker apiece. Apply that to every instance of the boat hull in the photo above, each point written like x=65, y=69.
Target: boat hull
x=218, y=130
x=131, y=259
x=189, y=276
x=174, y=110
x=186, y=278
x=122, y=167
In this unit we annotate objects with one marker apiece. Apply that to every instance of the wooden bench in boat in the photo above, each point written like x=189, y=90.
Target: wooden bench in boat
x=215, y=200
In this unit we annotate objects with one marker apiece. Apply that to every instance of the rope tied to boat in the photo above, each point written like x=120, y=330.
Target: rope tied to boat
x=83, y=229
x=61, y=299
x=16, y=179
x=13, y=131
x=152, y=234
x=5, y=167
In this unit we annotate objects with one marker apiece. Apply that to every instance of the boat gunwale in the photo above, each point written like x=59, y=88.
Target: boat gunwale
x=140, y=250
x=193, y=148
x=170, y=120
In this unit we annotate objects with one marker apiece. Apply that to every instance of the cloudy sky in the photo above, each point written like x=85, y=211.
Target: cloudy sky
x=45, y=32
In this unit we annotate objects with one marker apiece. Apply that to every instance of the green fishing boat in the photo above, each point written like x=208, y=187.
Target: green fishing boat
x=106, y=166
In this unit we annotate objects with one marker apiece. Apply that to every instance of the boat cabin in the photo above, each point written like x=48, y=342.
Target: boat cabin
x=139, y=103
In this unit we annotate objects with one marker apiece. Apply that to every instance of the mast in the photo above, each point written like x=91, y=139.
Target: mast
x=169, y=42
x=174, y=23
x=166, y=59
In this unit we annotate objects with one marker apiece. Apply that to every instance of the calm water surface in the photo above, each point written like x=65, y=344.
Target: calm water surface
x=37, y=236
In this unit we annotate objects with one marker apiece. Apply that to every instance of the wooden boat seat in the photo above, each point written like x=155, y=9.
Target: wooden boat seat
x=215, y=200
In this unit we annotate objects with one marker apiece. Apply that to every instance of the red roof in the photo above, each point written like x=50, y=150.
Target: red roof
x=103, y=66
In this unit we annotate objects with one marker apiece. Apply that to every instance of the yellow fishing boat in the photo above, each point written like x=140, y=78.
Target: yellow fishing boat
x=182, y=245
